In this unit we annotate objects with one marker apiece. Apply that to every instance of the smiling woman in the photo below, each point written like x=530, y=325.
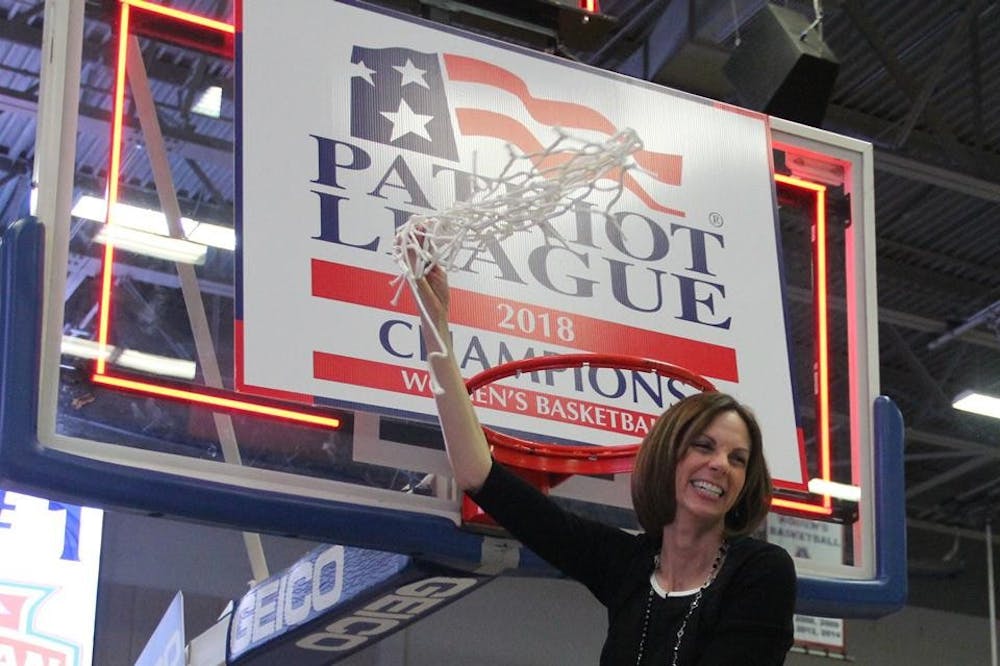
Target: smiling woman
x=694, y=588
x=711, y=438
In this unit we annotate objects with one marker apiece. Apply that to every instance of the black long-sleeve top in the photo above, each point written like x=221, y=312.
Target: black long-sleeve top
x=744, y=617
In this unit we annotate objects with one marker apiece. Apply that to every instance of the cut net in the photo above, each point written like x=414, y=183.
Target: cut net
x=530, y=190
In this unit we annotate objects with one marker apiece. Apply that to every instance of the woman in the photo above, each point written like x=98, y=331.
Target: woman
x=694, y=588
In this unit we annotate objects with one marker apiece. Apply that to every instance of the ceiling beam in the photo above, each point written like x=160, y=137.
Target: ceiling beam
x=922, y=146
x=976, y=83
x=907, y=275
x=976, y=463
x=985, y=272
x=96, y=50
x=957, y=444
x=965, y=533
x=899, y=318
x=931, y=78
x=919, y=369
x=187, y=144
x=907, y=84
x=665, y=26
x=989, y=315
x=93, y=266
x=912, y=169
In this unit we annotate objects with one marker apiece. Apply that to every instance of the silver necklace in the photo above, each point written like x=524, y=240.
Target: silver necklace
x=716, y=566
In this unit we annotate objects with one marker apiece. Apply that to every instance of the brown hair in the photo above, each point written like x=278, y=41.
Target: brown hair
x=653, y=494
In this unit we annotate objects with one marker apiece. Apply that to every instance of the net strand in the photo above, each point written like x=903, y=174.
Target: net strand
x=530, y=190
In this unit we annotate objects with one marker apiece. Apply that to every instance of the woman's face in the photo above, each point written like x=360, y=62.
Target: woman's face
x=711, y=474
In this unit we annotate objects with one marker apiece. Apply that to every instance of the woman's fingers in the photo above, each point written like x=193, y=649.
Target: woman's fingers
x=437, y=281
x=411, y=243
x=434, y=292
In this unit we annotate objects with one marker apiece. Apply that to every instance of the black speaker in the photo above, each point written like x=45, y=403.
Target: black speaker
x=782, y=68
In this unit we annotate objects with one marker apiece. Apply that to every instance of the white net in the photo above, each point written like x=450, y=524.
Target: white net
x=530, y=190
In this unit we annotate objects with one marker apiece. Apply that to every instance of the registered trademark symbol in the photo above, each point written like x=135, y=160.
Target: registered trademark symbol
x=716, y=219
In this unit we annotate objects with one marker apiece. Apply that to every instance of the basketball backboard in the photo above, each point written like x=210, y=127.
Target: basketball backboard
x=255, y=373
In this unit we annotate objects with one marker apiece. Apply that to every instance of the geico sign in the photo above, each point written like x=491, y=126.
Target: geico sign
x=307, y=588
x=386, y=614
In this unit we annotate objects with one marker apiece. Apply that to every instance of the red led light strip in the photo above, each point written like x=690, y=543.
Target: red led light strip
x=114, y=169
x=228, y=404
x=822, y=367
x=184, y=17
x=101, y=375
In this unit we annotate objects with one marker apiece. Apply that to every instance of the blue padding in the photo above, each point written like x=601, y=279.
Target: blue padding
x=21, y=276
x=336, y=601
x=887, y=592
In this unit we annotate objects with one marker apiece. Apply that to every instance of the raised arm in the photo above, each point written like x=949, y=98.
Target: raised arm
x=591, y=552
x=465, y=443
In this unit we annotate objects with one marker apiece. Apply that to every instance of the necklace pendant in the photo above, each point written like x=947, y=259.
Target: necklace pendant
x=720, y=557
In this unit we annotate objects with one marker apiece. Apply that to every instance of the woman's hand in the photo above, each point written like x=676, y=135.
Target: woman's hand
x=431, y=285
x=436, y=296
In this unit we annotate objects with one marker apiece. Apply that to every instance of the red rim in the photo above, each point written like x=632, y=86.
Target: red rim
x=569, y=459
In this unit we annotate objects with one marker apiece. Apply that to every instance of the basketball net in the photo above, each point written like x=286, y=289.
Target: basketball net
x=530, y=190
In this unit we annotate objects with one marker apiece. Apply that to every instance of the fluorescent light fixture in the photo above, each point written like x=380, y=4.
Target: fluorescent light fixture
x=209, y=102
x=163, y=366
x=977, y=403
x=156, y=364
x=833, y=489
x=152, y=245
x=83, y=348
x=154, y=222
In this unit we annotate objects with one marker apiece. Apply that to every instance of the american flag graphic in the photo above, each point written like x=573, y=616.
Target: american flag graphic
x=399, y=98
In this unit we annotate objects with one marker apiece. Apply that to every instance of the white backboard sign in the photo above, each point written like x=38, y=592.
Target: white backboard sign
x=386, y=117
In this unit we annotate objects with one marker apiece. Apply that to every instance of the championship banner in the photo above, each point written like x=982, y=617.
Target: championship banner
x=50, y=556
x=386, y=117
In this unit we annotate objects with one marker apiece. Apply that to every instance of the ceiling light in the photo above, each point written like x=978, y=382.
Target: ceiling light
x=155, y=364
x=154, y=222
x=209, y=102
x=833, y=489
x=977, y=403
x=164, y=366
x=152, y=245
x=83, y=348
